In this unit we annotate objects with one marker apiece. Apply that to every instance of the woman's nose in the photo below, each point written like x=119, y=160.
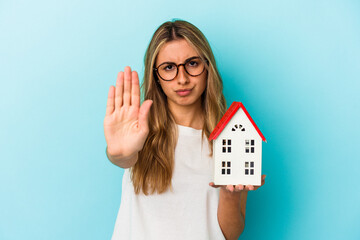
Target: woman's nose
x=182, y=76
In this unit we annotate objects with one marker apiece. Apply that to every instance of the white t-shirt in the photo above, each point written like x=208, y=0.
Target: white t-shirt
x=188, y=212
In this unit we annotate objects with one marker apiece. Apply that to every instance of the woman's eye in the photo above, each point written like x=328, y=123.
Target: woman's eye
x=168, y=67
x=193, y=63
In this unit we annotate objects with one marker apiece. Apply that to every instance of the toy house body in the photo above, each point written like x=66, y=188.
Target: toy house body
x=237, y=148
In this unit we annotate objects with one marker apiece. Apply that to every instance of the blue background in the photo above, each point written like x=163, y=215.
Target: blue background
x=294, y=64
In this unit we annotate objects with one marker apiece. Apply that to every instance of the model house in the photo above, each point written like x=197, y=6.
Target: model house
x=237, y=148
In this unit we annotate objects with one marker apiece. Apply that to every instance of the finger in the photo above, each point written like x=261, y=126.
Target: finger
x=230, y=188
x=110, y=105
x=263, y=179
x=250, y=187
x=212, y=184
x=127, y=86
x=241, y=187
x=119, y=90
x=135, y=89
x=144, y=115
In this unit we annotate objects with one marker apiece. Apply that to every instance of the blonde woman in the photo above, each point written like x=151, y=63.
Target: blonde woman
x=162, y=144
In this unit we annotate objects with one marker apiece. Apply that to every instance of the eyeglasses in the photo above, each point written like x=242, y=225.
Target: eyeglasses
x=167, y=71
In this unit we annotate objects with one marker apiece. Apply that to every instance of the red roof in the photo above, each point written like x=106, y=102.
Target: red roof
x=226, y=118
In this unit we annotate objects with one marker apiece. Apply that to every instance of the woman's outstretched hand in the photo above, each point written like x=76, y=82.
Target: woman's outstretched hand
x=126, y=123
x=239, y=187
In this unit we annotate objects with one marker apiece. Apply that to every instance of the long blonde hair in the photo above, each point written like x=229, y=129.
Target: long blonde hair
x=153, y=170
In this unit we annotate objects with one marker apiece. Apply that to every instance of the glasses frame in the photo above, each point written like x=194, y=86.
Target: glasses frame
x=156, y=69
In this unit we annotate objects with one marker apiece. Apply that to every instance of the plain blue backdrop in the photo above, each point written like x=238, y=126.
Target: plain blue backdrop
x=294, y=64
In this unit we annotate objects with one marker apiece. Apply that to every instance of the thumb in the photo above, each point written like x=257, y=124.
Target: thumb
x=144, y=114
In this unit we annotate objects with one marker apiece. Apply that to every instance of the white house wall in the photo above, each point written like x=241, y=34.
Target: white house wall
x=238, y=157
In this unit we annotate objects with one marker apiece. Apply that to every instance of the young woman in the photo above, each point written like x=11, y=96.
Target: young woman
x=163, y=146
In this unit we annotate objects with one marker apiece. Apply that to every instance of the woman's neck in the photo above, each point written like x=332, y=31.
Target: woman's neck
x=189, y=116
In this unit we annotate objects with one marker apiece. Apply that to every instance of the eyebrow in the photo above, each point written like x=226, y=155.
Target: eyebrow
x=183, y=62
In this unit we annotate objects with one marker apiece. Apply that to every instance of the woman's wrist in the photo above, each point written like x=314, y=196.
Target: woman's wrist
x=226, y=194
x=122, y=161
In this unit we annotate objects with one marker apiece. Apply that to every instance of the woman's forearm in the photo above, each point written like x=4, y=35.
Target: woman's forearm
x=231, y=213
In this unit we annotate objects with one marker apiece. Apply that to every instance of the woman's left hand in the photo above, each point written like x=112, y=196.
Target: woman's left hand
x=239, y=187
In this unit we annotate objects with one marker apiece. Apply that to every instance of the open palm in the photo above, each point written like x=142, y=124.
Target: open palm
x=126, y=123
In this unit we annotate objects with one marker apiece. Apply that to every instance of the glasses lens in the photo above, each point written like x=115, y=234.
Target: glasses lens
x=167, y=71
x=195, y=66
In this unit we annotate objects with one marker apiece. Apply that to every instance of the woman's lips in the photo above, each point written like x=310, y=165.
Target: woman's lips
x=183, y=92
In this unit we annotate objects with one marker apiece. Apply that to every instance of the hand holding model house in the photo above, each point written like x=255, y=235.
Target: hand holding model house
x=237, y=151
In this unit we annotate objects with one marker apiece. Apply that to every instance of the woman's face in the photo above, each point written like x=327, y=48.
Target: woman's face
x=183, y=90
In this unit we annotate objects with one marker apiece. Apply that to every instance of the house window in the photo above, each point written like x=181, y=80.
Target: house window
x=238, y=127
x=249, y=146
x=249, y=168
x=226, y=146
x=226, y=168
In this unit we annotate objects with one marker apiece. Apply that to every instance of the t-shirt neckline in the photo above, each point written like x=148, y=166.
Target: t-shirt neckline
x=184, y=130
